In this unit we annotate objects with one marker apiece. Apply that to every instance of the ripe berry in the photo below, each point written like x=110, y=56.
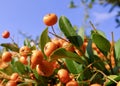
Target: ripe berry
x=56, y=41
x=72, y=83
x=37, y=57
x=6, y=56
x=63, y=75
x=14, y=76
x=49, y=48
x=6, y=34
x=68, y=46
x=50, y=19
x=118, y=84
x=11, y=83
x=23, y=60
x=24, y=51
x=95, y=84
x=45, y=68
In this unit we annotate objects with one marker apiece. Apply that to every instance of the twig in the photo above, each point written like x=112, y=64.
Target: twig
x=105, y=75
x=58, y=36
x=93, y=26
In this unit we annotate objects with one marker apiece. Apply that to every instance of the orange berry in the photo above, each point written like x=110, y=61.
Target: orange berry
x=63, y=75
x=50, y=19
x=77, y=51
x=32, y=76
x=72, y=83
x=36, y=58
x=61, y=41
x=118, y=84
x=56, y=41
x=11, y=83
x=68, y=46
x=6, y=34
x=107, y=67
x=45, y=68
x=95, y=84
x=6, y=56
x=3, y=64
x=23, y=60
x=94, y=46
x=14, y=76
x=24, y=51
x=49, y=48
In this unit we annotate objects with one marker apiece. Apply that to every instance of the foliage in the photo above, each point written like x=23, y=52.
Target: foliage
x=93, y=59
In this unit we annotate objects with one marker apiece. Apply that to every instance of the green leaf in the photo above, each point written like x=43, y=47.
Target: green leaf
x=99, y=64
x=27, y=42
x=69, y=32
x=19, y=67
x=101, y=33
x=81, y=32
x=8, y=70
x=117, y=49
x=111, y=83
x=102, y=43
x=41, y=79
x=62, y=53
x=73, y=67
x=44, y=39
x=13, y=47
x=90, y=51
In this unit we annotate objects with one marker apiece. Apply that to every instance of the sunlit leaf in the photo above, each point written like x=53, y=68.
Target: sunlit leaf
x=111, y=83
x=27, y=43
x=10, y=46
x=62, y=53
x=19, y=67
x=101, y=33
x=73, y=67
x=44, y=39
x=117, y=49
x=69, y=32
x=101, y=42
x=81, y=32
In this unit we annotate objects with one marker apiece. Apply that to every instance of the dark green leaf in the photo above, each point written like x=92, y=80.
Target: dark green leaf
x=10, y=46
x=90, y=51
x=102, y=43
x=62, y=53
x=99, y=64
x=73, y=67
x=69, y=32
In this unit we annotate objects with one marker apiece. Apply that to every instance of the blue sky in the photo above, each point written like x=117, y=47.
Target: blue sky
x=27, y=15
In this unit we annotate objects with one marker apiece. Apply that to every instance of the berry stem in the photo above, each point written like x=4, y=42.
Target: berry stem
x=58, y=36
x=4, y=76
x=53, y=30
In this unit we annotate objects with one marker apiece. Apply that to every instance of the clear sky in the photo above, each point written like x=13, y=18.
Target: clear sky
x=27, y=15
